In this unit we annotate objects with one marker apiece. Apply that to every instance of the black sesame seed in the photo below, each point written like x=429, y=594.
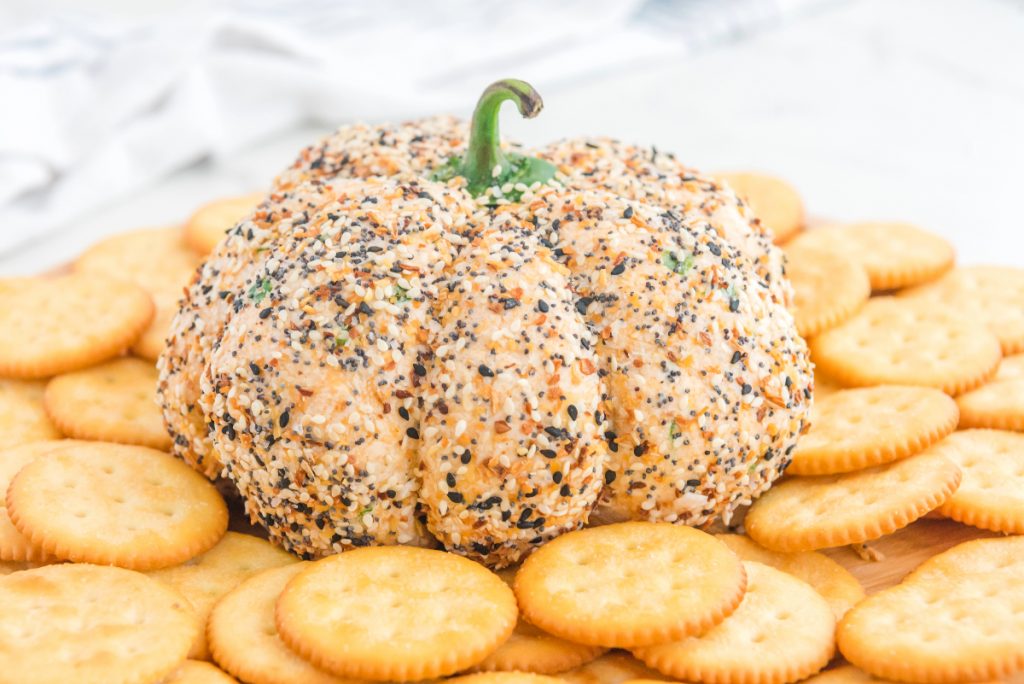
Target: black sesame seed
x=543, y=306
x=403, y=412
x=746, y=389
x=485, y=371
x=619, y=269
x=582, y=304
x=734, y=305
x=413, y=433
x=465, y=457
x=254, y=368
x=456, y=497
x=265, y=313
x=640, y=449
x=548, y=453
x=573, y=413
x=736, y=357
x=564, y=491
x=282, y=421
x=450, y=479
x=609, y=476
x=419, y=369
x=628, y=213
x=556, y=476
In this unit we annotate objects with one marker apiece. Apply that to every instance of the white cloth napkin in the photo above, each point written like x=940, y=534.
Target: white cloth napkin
x=96, y=107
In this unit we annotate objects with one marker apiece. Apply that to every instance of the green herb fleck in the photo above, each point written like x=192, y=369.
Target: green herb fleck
x=675, y=264
x=259, y=290
x=368, y=509
x=401, y=295
x=674, y=432
x=341, y=338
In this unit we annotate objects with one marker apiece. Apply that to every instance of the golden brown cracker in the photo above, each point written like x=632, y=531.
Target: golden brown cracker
x=908, y=342
x=783, y=631
x=205, y=579
x=992, y=295
x=23, y=417
x=447, y=611
x=999, y=403
x=836, y=585
x=827, y=288
x=113, y=504
x=859, y=428
x=112, y=402
x=807, y=513
x=198, y=672
x=991, y=493
x=632, y=583
x=207, y=226
x=14, y=546
x=894, y=254
x=958, y=617
x=89, y=624
x=63, y=323
x=774, y=201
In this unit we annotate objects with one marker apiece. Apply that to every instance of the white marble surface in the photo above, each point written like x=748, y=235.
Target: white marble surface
x=910, y=110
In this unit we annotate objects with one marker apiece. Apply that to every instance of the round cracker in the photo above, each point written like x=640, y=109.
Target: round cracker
x=14, y=546
x=447, y=612
x=859, y=428
x=774, y=201
x=207, y=226
x=958, y=617
x=827, y=288
x=113, y=504
x=531, y=650
x=243, y=636
x=156, y=259
x=205, y=579
x=60, y=324
x=894, y=254
x=23, y=418
x=90, y=625
x=630, y=584
x=993, y=295
x=836, y=585
x=908, y=342
x=198, y=672
x=999, y=403
x=781, y=632
x=613, y=667
x=808, y=513
x=112, y=402
x=991, y=493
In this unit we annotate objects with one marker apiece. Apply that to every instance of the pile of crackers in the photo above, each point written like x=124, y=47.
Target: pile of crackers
x=120, y=565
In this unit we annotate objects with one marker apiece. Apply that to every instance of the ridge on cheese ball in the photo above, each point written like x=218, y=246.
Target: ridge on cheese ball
x=315, y=384
x=706, y=383
x=511, y=450
x=658, y=179
x=354, y=152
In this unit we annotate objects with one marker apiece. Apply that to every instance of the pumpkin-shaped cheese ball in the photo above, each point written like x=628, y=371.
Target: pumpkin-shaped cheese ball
x=415, y=340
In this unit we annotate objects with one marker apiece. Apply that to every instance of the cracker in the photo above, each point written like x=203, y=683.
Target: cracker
x=90, y=625
x=630, y=584
x=999, y=403
x=824, y=385
x=993, y=295
x=157, y=260
x=243, y=636
x=205, y=579
x=23, y=418
x=14, y=546
x=782, y=632
x=531, y=650
x=908, y=342
x=958, y=617
x=112, y=402
x=59, y=324
x=506, y=678
x=207, y=226
x=807, y=513
x=836, y=585
x=9, y=567
x=991, y=494
x=114, y=504
x=198, y=672
x=894, y=254
x=859, y=428
x=447, y=612
x=774, y=201
x=613, y=667
x=827, y=288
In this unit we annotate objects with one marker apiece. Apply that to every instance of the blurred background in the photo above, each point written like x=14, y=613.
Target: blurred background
x=120, y=114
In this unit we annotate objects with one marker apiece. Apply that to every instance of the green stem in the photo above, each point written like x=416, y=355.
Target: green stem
x=485, y=165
